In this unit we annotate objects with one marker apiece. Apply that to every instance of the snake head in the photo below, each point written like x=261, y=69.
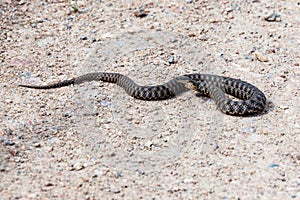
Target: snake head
x=200, y=87
x=188, y=82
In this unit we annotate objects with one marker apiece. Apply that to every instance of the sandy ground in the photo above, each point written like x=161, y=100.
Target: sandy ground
x=93, y=141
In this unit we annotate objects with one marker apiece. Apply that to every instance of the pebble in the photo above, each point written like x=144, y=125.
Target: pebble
x=259, y=56
x=173, y=40
x=9, y=143
x=33, y=25
x=49, y=184
x=68, y=114
x=93, y=40
x=284, y=107
x=274, y=165
x=247, y=57
x=149, y=144
x=85, y=10
x=118, y=174
x=141, y=172
x=171, y=60
x=235, y=6
x=106, y=103
x=117, y=191
x=69, y=27
x=14, y=152
x=36, y=144
x=265, y=132
x=98, y=173
x=140, y=13
x=274, y=17
x=8, y=131
x=189, y=180
x=77, y=166
x=70, y=18
x=22, y=148
x=83, y=37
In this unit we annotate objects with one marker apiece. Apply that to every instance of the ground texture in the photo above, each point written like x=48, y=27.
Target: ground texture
x=93, y=141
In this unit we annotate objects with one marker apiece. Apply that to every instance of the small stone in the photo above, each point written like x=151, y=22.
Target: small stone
x=77, y=166
x=36, y=145
x=273, y=165
x=98, y=173
x=171, y=60
x=83, y=37
x=260, y=57
x=67, y=115
x=85, y=10
x=189, y=180
x=173, y=40
x=33, y=25
x=22, y=2
x=69, y=27
x=13, y=152
x=192, y=35
x=93, y=40
x=274, y=17
x=117, y=191
x=265, y=132
x=148, y=144
x=284, y=107
x=22, y=148
x=8, y=131
x=118, y=174
x=141, y=172
x=49, y=184
x=9, y=143
x=70, y=18
x=140, y=13
x=247, y=56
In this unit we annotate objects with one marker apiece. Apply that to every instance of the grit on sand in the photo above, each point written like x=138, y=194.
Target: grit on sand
x=93, y=141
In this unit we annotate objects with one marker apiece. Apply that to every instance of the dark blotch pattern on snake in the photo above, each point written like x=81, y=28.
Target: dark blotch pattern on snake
x=252, y=99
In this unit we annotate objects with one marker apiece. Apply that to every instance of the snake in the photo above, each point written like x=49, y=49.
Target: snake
x=251, y=99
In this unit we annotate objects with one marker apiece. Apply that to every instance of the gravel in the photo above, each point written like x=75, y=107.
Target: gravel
x=93, y=141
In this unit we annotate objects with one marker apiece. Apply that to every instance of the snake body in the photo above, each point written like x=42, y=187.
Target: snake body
x=252, y=99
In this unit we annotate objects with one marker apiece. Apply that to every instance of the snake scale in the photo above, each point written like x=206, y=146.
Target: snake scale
x=252, y=100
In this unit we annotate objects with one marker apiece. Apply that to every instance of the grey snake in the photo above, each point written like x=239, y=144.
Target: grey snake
x=252, y=100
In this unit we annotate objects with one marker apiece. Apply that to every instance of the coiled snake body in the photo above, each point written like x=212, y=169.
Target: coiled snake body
x=252, y=99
